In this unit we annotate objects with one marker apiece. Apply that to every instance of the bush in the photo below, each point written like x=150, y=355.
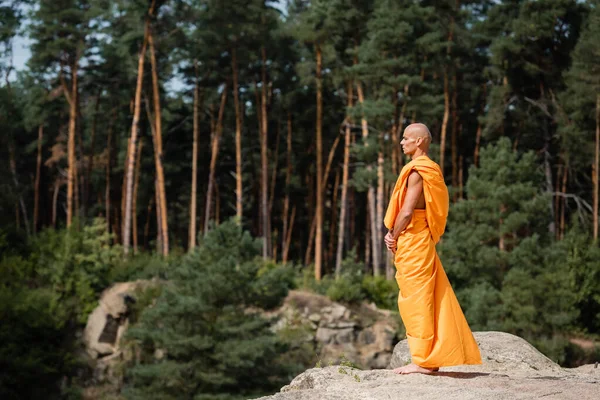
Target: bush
x=36, y=344
x=207, y=323
x=381, y=291
x=77, y=264
x=346, y=290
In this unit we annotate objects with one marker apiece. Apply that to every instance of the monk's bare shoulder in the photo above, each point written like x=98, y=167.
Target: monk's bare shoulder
x=414, y=178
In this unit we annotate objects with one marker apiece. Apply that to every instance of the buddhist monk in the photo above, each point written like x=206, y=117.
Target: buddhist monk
x=437, y=331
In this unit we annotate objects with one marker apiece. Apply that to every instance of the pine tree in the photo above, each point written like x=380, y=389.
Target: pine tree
x=59, y=35
x=582, y=99
x=212, y=346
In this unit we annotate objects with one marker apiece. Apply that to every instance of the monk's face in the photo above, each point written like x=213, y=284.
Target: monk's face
x=410, y=141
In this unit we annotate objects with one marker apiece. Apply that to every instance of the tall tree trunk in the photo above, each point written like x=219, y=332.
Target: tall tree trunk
x=288, y=239
x=57, y=185
x=72, y=99
x=479, y=129
x=132, y=144
x=319, y=140
x=213, y=159
x=90, y=166
x=344, y=195
x=159, y=234
x=288, y=179
x=454, y=136
x=108, y=168
x=477, y=145
x=193, y=200
x=444, y=120
x=395, y=134
x=159, y=147
x=371, y=197
x=336, y=186
x=323, y=187
x=38, y=172
x=238, y=138
x=124, y=188
x=138, y=161
x=564, y=201
x=264, y=175
x=21, y=202
x=596, y=167
x=147, y=225
x=557, y=198
x=460, y=178
x=273, y=176
x=379, y=220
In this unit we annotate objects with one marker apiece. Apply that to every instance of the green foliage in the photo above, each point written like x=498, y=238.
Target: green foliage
x=35, y=338
x=207, y=322
x=77, y=265
x=381, y=291
x=348, y=287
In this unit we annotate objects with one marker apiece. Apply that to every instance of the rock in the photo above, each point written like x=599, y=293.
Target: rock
x=107, y=323
x=344, y=383
x=500, y=352
x=512, y=369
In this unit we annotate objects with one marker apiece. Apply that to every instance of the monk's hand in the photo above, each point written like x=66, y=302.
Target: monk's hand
x=390, y=242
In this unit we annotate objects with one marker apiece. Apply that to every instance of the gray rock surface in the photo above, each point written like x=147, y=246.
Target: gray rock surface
x=107, y=323
x=511, y=369
x=500, y=352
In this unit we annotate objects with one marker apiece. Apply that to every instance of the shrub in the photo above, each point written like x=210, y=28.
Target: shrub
x=208, y=325
x=381, y=291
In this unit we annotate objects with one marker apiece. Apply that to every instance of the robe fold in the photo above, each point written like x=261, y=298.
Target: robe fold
x=438, y=333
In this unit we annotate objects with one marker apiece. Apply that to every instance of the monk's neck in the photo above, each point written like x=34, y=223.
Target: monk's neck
x=418, y=153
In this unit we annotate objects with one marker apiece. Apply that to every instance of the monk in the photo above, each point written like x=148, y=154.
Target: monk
x=437, y=331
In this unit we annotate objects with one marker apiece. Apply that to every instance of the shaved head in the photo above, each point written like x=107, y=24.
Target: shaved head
x=416, y=140
x=419, y=130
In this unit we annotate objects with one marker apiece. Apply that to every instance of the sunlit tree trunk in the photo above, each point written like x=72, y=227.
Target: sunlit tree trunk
x=454, y=137
x=238, y=138
x=371, y=197
x=193, y=200
x=71, y=174
x=444, y=120
x=344, y=194
x=286, y=200
x=596, y=167
x=286, y=248
x=107, y=203
x=159, y=148
x=336, y=185
x=132, y=144
x=90, y=166
x=319, y=140
x=264, y=173
x=138, y=162
x=38, y=171
x=213, y=159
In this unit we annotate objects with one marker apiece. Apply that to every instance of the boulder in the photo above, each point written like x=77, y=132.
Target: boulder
x=107, y=323
x=344, y=383
x=511, y=369
x=500, y=352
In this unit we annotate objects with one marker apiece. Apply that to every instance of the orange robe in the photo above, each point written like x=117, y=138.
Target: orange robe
x=436, y=328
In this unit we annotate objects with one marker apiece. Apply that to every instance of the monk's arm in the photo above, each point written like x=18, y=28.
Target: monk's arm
x=413, y=192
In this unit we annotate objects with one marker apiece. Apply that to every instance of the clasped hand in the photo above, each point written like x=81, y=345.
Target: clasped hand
x=390, y=242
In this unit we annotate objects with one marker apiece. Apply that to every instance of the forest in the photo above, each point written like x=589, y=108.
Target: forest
x=238, y=149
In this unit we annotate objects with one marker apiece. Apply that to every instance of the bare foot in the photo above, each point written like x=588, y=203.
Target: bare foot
x=414, y=369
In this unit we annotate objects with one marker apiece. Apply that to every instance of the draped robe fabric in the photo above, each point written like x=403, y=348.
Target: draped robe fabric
x=438, y=333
